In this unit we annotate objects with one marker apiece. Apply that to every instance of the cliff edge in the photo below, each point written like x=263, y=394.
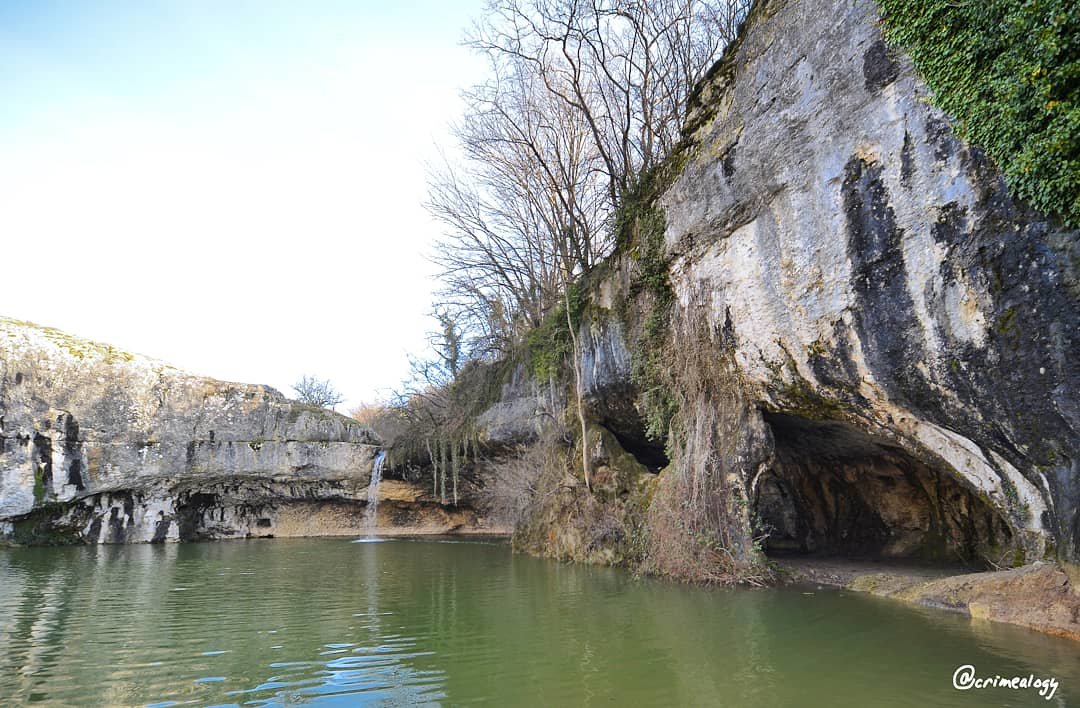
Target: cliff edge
x=99, y=445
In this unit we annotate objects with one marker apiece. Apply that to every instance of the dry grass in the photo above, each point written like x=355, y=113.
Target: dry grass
x=368, y=413
x=699, y=526
x=541, y=494
x=512, y=484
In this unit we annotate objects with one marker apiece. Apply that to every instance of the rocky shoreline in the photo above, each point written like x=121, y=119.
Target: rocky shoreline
x=1037, y=596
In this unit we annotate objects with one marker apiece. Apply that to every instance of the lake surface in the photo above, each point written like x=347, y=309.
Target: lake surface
x=333, y=622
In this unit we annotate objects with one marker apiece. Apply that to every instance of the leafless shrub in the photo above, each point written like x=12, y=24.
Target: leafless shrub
x=605, y=530
x=516, y=482
x=368, y=413
x=317, y=392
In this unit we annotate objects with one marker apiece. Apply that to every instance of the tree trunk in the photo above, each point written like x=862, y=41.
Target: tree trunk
x=445, y=463
x=434, y=467
x=455, y=466
x=578, y=390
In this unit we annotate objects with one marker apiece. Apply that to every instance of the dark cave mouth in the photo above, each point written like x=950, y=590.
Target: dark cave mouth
x=650, y=454
x=834, y=491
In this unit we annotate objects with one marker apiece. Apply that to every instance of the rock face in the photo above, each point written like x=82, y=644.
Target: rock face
x=101, y=446
x=873, y=349
x=867, y=267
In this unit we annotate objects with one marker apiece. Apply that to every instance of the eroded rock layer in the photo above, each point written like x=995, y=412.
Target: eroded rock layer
x=866, y=266
x=102, y=446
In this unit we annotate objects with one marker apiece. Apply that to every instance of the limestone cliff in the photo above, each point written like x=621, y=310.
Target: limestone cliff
x=831, y=330
x=868, y=270
x=99, y=445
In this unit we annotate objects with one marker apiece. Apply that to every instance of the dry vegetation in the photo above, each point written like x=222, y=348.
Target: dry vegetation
x=699, y=525
x=558, y=517
x=514, y=484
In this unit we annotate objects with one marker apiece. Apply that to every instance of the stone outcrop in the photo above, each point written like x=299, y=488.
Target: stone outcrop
x=872, y=348
x=867, y=267
x=99, y=445
x=1037, y=596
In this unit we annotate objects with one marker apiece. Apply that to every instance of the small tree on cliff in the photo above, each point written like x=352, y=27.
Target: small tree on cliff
x=310, y=389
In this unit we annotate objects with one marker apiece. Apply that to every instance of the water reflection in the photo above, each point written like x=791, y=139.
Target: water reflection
x=418, y=622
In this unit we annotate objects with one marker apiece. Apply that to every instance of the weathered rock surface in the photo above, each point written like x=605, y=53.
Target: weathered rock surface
x=873, y=346
x=868, y=267
x=1038, y=596
x=99, y=445
x=404, y=509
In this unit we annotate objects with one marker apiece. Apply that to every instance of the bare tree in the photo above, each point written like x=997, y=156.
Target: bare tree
x=316, y=392
x=584, y=97
x=433, y=413
x=625, y=66
x=579, y=390
x=524, y=207
x=448, y=343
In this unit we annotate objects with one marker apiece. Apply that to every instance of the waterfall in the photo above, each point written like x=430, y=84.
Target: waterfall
x=370, y=518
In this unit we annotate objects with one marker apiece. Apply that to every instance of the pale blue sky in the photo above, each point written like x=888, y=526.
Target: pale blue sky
x=232, y=186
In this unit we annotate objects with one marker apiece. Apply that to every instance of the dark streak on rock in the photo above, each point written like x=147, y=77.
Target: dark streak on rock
x=888, y=330
x=73, y=453
x=43, y=452
x=907, y=160
x=879, y=68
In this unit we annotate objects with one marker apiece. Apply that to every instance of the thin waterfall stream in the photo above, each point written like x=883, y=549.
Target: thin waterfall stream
x=372, y=507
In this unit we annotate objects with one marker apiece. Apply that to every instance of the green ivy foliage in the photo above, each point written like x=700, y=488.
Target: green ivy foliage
x=649, y=372
x=639, y=226
x=1008, y=73
x=549, y=345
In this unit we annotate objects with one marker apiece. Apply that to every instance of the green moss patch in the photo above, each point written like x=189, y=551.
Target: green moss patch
x=548, y=346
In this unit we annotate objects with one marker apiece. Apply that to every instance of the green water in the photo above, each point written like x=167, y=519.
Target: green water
x=332, y=622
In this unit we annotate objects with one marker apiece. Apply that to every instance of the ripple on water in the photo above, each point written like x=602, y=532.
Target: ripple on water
x=419, y=622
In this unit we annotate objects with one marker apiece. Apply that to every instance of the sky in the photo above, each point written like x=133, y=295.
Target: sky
x=235, y=187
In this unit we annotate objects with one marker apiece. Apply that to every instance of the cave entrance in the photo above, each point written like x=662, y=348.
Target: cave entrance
x=649, y=453
x=834, y=491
